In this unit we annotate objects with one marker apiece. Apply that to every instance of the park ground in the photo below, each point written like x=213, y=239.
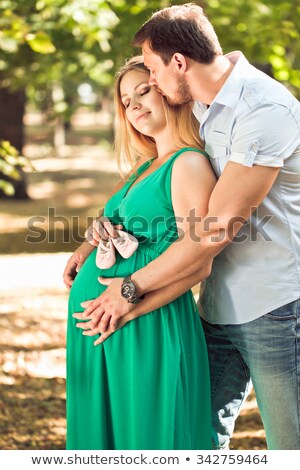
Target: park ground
x=36, y=238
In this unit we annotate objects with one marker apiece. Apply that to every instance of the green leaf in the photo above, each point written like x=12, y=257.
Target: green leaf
x=7, y=188
x=282, y=75
x=8, y=44
x=279, y=50
x=41, y=43
x=8, y=148
x=20, y=161
x=10, y=158
x=9, y=170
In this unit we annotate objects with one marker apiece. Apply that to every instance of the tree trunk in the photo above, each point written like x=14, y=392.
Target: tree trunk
x=12, y=108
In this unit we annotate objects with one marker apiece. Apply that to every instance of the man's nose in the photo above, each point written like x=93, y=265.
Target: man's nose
x=152, y=81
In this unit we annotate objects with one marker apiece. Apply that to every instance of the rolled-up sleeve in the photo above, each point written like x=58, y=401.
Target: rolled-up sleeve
x=266, y=135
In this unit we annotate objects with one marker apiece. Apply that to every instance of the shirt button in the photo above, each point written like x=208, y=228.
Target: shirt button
x=253, y=147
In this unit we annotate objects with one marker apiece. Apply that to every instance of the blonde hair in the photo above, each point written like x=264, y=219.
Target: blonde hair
x=130, y=144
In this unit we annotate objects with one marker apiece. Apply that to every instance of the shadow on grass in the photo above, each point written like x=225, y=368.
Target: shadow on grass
x=32, y=413
x=32, y=416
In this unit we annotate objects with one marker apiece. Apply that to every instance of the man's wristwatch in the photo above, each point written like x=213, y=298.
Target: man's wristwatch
x=129, y=291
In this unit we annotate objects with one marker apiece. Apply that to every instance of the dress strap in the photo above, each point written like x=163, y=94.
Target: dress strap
x=183, y=150
x=187, y=149
x=140, y=170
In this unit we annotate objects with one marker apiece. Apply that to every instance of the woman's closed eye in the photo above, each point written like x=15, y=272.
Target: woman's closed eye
x=143, y=92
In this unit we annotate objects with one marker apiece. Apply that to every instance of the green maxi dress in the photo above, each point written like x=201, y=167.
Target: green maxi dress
x=147, y=386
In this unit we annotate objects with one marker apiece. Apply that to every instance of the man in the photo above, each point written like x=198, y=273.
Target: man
x=251, y=303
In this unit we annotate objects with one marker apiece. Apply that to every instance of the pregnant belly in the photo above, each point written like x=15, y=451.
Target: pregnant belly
x=86, y=285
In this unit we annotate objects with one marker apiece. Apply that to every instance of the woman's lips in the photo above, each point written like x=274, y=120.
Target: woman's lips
x=143, y=115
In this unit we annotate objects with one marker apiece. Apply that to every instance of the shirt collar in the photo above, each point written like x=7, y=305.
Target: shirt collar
x=232, y=88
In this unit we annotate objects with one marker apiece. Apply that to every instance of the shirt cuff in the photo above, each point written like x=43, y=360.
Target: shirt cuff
x=262, y=160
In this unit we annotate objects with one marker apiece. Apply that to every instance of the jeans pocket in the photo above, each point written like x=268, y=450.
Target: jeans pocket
x=284, y=313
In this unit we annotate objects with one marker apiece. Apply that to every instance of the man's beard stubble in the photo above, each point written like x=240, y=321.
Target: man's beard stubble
x=182, y=95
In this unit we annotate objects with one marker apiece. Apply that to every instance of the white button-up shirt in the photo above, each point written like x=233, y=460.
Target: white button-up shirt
x=255, y=120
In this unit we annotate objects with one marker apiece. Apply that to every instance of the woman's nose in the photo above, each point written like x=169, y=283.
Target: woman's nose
x=135, y=104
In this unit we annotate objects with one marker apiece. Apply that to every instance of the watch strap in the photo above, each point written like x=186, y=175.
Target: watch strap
x=134, y=299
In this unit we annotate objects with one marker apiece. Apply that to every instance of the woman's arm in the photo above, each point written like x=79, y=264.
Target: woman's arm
x=193, y=181
x=152, y=301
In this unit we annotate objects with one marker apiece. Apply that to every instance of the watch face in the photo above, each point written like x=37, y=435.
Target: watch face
x=128, y=290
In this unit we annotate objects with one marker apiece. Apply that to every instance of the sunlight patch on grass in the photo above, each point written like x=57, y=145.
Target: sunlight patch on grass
x=41, y=364
x=27, y=271
x=43, y=190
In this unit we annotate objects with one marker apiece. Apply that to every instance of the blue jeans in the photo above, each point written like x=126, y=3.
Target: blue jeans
x=266, y=350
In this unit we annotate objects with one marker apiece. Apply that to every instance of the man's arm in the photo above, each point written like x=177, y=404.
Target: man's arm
x=238, y=192
x=236, y=195
x=105, y=325
x=192, y=183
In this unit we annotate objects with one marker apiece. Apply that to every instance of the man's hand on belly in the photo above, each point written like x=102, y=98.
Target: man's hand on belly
x=107, y=313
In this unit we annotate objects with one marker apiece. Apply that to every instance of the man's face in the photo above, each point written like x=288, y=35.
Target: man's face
x=172, y=85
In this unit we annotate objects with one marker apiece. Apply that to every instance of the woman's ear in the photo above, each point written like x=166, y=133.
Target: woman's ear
x=178, y=63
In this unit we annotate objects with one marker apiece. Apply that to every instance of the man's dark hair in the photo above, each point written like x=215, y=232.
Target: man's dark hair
x=180, y=28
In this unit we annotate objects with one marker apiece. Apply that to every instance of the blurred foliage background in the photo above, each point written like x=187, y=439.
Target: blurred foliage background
x=56, y=55
x=57, y=64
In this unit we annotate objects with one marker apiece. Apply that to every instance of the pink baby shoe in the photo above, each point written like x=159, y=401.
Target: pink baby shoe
x=105, y=257
x=125, y=243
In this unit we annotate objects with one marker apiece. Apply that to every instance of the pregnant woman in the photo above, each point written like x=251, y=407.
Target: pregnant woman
x=147, y=386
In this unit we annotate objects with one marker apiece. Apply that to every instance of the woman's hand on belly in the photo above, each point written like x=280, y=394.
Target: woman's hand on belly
x=106, y=313
x=75, y=263
x=91, y=330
